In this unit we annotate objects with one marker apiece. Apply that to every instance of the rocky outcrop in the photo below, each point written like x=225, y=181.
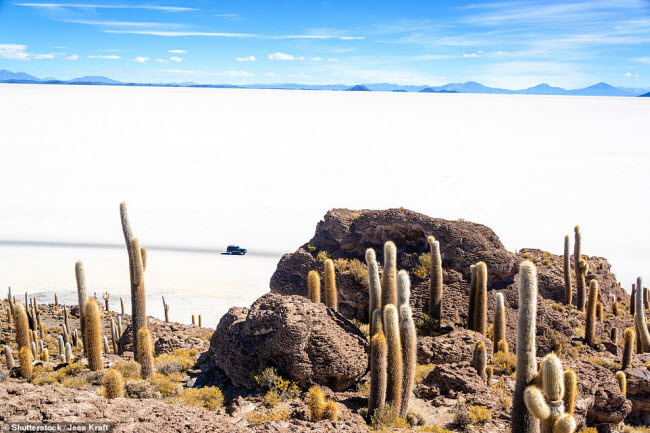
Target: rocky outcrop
x=638, y=391
x=20, y=402
x=306, y=342
x=168, y=337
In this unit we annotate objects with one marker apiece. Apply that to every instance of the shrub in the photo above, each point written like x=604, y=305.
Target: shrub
x=141, y=389
x=422, y=371
x=130, y=369
x=260, y=417
x=606, y=363
x=165, y=385
x=210, y=398
x=269, y=380
x=504, y=363
x=341, y=265
x=322, y=256
x=387, y=417
x=479, y=415
x=271, y=398
x=74, y=369
x=630, y=429
x=75, y=382
x=433, y=429
x=359, y=272
x=415, y=417
x=423, y=268
x=461, y=414
x=363, y=327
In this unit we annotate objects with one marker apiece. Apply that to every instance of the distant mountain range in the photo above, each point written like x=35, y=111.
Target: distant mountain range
x=600, y=89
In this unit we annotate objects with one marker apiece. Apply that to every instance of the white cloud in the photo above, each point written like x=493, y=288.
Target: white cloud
x=271, y=74
x=160, y=60
x=229, y=35
x=280, y=56
x=237, y=74
x=316, y=59
x=73, y=57
x=125, y=23
x=111, y=57
x=175, y=59
x=644, y=60
x=141, y=59
x=43, y=56
x=332, y=59
x=628, y=74
x=105, y=6
x=177, y=51
x=14, y=51
x=246, y=59
x=472, y=55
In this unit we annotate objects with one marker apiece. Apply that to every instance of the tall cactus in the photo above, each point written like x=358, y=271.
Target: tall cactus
x=547, y=403
x=389, y=275
x=639, y=317
x=138, y=299
x=82, y=295
x=374, y=287
x=409, y=353
x=629, y=338
x=590, y=327
x=403, y=289
x=479, y=359
x=435, y=282
x=313, y=286
x=499, y=321
x=472, y=298
x=570, y=391
x=613, y=336
x=146, y=352
x=331, y=292
x=568, y=286
x=394, y=358
x=378, y=378
x=580, y=282
x=21, y=323
x=633, y=299
x=93, y=338
x=521, y=420
x=480, y=314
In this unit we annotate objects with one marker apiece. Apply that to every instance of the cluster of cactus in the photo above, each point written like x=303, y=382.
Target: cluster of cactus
x=329, y=280
x=393, y=337
x=320, y=407
x=435, y=282
x=550, y=400
x=477, y=312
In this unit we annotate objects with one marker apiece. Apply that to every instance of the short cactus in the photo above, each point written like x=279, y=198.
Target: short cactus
x=107, y=298
x=435, y=282
x=570, y=391
x=480, y=313
x=389, y=275
x=331, y=411
x=107, y=347
x=374, y=287
x=331, y=292
x=472, y=298
x=622, y=382
x=26, y=367
x=403, y=289
x=639, y=318
x=613, y=336
x=480, y=359
x=9, y=358
x=521, y=419
x=489, y=373
x=409, y=354
x=316, y=403
x=146, y=347
x=590, y=327
x=313, y=287
x=93, y=338
x=113, y=384
x=378, y=378
x=61, y=346
x=629, y=338
x=394, y=358
x=45, y=355
x=69, y=358
x=21, y=323
x=499, y=321
x=568, y=285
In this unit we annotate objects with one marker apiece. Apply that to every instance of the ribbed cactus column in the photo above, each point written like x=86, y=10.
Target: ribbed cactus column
x=313, y=286
x=403, y=289
x=480, y=314
x=394, y=358
x=479, y=359
x=331, y=292
x=580, y=282
x=389, y=275
x=521, y=420
x=82, y=296
x=21, y=323
x=629, y=338
x=378, y=378
x=472, y=298
x=146, y=352
x=435, y=282
x=499, y=322
x=409, y=354
x=138, y=300
x=590, y=326
x=639, y=317
x=632, y=300
x=374, y=287
x=622, y=382
x=570, y=391
x=93, y=338
x=568, y=286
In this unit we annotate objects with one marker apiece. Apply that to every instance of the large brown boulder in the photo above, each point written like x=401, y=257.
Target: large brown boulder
x=638, y=391
x=306, y=342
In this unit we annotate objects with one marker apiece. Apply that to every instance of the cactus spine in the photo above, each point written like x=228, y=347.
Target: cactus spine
x=590, y=327
x=480, y=315
x=622, y=382
x=93, y=337
x=146, y=346
x=331, y=293
x=313, y=287
x=629, y=338
x=394, y=358
x=22, y=325
x=580, y=282
x=374, y=287
x=378, y=374
x=568, y=286
x=522, y=420
x=409, y=353
x=138, y=301
x=639, y=318
x=26, y=366
x=113, y=384
x=499, y=321
x=403, y=289
x=480, y=359
x=435, y=282
x=389, y=275
x=9, y=358
x=472, y=298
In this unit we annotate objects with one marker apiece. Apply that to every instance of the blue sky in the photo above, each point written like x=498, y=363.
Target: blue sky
x=511, y=44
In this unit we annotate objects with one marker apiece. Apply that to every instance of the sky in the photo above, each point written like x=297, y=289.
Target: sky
x=511, y=44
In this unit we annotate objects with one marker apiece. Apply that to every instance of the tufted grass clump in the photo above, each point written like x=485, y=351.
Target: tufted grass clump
x=363, y=327
x=423, y=268
x=422, y=371
x=639, y=429
x=461, y=414
x=479, y=415
x=387, y=417
x=209, y=398
x=130, y=369
x=176, y=361
x=258, y=417
x=359, y=272
x=322, y=256
x=504, y=363
x=433, y=429
x=165, y=385
x=606, y=363
x=273, y=384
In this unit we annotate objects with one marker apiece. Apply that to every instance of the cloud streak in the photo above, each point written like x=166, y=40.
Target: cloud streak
x=106, y=6
x=230, y=35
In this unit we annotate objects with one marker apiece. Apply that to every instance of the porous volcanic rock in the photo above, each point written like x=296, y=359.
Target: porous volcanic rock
x=168, y=336
x=638, y=391
x=306, y=342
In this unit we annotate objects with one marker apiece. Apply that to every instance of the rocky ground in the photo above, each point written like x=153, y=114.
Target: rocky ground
x=264, y=358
